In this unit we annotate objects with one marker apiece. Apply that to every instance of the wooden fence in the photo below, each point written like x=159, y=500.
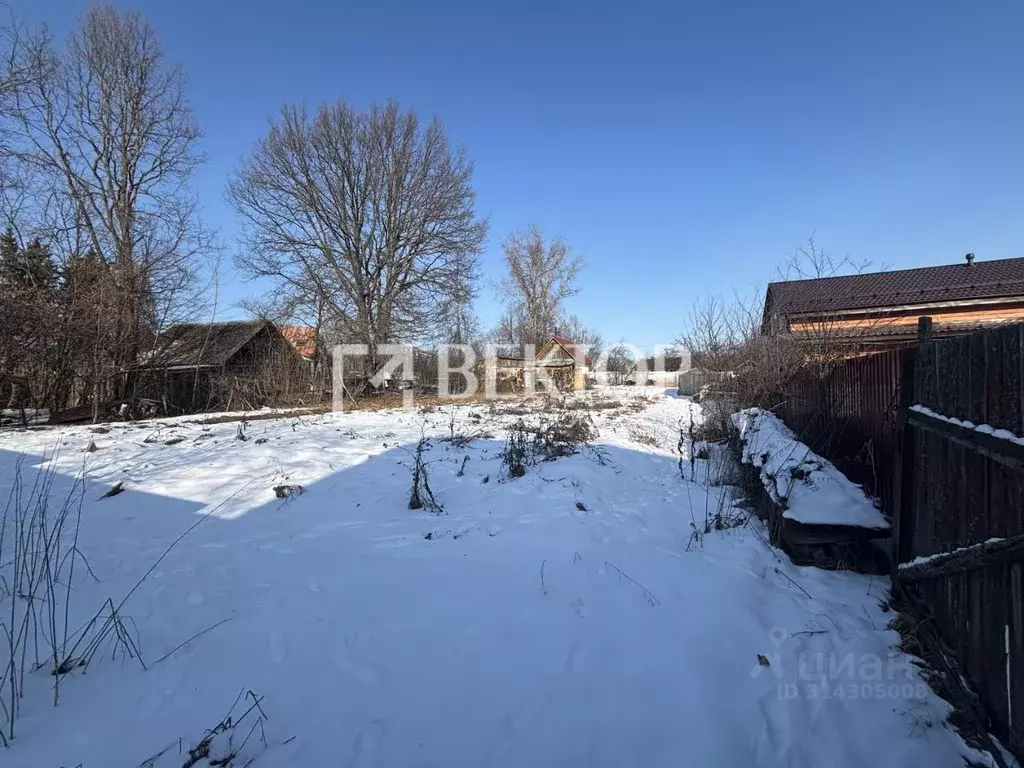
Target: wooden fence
x=850, y=415
x=896, y=423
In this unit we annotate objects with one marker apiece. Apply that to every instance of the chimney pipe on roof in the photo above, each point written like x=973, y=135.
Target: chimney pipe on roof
x=970, y=259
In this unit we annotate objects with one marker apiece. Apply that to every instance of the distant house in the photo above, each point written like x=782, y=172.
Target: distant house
x=507, y=372
x=880, y=309
x=203, y=366
x=303, y=339
x=564, y=362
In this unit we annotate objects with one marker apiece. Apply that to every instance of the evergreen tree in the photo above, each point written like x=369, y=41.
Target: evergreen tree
x=25, y=268
x=36, y=267
x=8, y=257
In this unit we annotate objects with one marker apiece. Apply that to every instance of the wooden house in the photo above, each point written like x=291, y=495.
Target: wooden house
x=564, y=362
x=879, y=310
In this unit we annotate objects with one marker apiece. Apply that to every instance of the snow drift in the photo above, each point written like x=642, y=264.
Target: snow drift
x=810, y=488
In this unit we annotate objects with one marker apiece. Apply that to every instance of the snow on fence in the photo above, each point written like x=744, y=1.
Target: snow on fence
x=808, y=487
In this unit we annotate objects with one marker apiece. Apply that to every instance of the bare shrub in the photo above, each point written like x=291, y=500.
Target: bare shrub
x=39, y=556
x=715, y=424
x=39, y=560
x=718, y=471
x=749, y=350
x=722, y=468
x=224, y=744
x=722, y=519
x=620, y=365
x=460, y=438
x=584, y=404
x=725, y=340
x=550, y=440
x=564, y=436
x=516, y=453
x=421, y=497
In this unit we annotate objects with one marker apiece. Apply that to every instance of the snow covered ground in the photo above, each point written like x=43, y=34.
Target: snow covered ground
x=561, y=618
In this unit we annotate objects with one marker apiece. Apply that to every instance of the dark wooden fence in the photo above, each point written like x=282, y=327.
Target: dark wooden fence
x=946, y=486
x=850, y=415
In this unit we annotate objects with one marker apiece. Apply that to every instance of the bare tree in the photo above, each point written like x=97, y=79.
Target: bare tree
x=826, y=337
x=725, y=335
x=107, y=133
x=364, y=218
x=714, y=332
x=541, y=276
x=620, y=364
x=20, y=48
x=572, y=328
x=809, y=261
x=724, y=338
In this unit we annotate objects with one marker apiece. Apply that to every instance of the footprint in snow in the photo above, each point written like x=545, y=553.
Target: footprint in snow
x=578, y=608
x=368, y=674
x=366, y=746
x=277, y=652
x=575, y=658
x=196, y=598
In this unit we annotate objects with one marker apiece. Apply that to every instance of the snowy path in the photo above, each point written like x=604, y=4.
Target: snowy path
x=523, y=631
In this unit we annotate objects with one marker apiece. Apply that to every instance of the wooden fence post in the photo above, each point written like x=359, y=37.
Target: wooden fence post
x=903, y=495
x=924, y=329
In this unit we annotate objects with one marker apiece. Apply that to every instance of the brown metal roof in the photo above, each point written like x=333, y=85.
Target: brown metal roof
x=952, y=282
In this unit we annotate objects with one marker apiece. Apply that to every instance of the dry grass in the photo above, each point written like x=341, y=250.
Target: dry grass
x=639, y=434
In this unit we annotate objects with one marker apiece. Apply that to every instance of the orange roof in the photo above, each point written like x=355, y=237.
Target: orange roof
x=302, y=338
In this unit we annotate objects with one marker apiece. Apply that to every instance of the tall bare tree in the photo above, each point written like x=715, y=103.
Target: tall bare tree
x=541, y=276
x=106, y=131
x=366, y=219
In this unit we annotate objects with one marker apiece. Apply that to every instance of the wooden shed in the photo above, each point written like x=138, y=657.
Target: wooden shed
x=232, y=365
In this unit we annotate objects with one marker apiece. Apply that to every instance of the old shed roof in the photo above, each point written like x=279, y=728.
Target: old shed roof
x=189, y=345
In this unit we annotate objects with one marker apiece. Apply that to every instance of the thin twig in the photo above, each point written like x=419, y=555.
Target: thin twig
x=787, y=578
x=197, y=634
x=647, y=593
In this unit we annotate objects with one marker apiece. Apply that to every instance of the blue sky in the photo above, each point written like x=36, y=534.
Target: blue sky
x=681, y=147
